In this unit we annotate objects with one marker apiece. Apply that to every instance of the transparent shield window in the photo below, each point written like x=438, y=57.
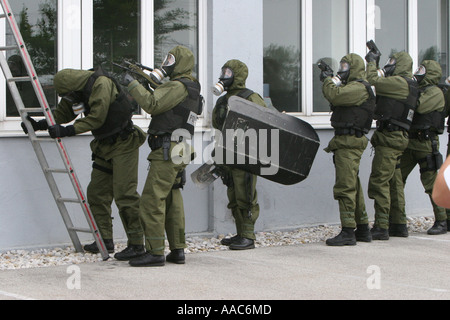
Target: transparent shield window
x=116, y=34
x=433, y=32
x=282, y=54
x=330, y=42
x=176, y=23
x=391, y=27
x=37, y=20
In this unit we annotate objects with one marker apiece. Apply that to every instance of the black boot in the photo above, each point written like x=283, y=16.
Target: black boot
x=345, y=238
x=242, y=244
x=148, y=260
x=398, y=230
x=228, y=241
x=92, y=248
x=130, y=252
x=176, y=256
x=362, y=233
x=439, y=227
x=379, y=233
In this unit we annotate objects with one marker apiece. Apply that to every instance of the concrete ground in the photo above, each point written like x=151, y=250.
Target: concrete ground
x=414, y=268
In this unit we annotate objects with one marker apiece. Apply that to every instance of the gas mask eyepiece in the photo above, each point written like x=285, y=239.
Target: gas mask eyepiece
x=166, y=70
x=389, y=68
x=420, y=74
x=344, y=72
x=226, y=79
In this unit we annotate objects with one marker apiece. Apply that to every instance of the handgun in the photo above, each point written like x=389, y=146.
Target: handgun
x=324, y=66
x=373, y=47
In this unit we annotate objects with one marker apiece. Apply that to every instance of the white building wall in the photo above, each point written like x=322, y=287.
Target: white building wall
x=28, y=214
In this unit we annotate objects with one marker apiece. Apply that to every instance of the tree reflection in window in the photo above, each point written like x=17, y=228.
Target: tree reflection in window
x=37, y=22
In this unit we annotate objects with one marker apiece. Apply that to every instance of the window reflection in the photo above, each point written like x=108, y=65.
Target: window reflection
x=282, y=54
x=433, y=31
x=391, y=30
x=175, y=23
x=330, y=42
x=116, y=32
x=37, y=20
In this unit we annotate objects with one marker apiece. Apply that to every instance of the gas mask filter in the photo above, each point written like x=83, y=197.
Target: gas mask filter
x=75, y=100
x=226, y=79
x=166, y=70
x=420, y=74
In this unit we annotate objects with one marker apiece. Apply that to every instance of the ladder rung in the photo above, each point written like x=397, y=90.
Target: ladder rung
x=6, y=48
x=57, y=171
x=85, y=230
x=44, y=140
x=69, y=200
x=34, y=110
x=19, y=79
x=2, y=16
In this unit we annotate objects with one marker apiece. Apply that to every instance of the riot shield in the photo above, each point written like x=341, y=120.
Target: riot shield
x=276, y=146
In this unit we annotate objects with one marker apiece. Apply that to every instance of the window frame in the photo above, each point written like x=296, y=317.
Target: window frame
x=75, y=31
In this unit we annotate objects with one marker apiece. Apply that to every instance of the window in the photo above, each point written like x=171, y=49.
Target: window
x=391, y=27
x=175, y=23
x=37, y=23
x=330, y=42
x=433, y=32
x=282, y=54
x=116, y=32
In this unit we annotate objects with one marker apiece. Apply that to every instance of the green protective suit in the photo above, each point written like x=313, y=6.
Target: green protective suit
x=115, y=170
x=241, y=191
x=431, y=99
x=385, y=182
x=162, y=209
x=348, y=149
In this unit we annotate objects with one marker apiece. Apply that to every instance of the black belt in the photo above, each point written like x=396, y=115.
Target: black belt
x=386, y=125
x=348, y=132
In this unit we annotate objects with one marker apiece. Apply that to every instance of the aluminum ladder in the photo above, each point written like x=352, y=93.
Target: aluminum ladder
x=36, y=140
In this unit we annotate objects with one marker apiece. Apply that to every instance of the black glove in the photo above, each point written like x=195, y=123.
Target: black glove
x=373, y=57
x=126, y=79
x=325, y=74
x=37, y=125
x=59, y=131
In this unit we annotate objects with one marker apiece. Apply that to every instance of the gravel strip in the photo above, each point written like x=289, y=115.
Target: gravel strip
x=23, y=259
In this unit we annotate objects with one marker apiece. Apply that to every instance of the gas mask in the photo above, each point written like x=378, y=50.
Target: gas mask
x=344, y=72
x=226, y=79
x=166, y=70
x=75, y=99
x=389, y=68
x=420, y=74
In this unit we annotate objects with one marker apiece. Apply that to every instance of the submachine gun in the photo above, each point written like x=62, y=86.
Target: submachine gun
x=137, y=69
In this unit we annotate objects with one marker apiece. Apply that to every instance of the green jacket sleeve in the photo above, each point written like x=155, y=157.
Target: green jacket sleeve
x=394, y=87
x=163, y=99
x=352, y=94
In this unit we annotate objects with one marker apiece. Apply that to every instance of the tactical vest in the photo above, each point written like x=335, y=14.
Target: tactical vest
x=120, y=111
x=183, y=116
x=222, y=105
x=434, y=121
x=398, y=112
x=356, y=117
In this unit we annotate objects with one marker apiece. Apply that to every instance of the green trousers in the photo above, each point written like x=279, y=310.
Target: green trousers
x=116, y=179
x=348, y=191
x=243, y=202
x=385, y=182
x=162, y=209
x=410, y=159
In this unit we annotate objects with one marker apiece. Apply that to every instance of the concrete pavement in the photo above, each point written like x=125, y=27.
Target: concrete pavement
x=414, y=268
